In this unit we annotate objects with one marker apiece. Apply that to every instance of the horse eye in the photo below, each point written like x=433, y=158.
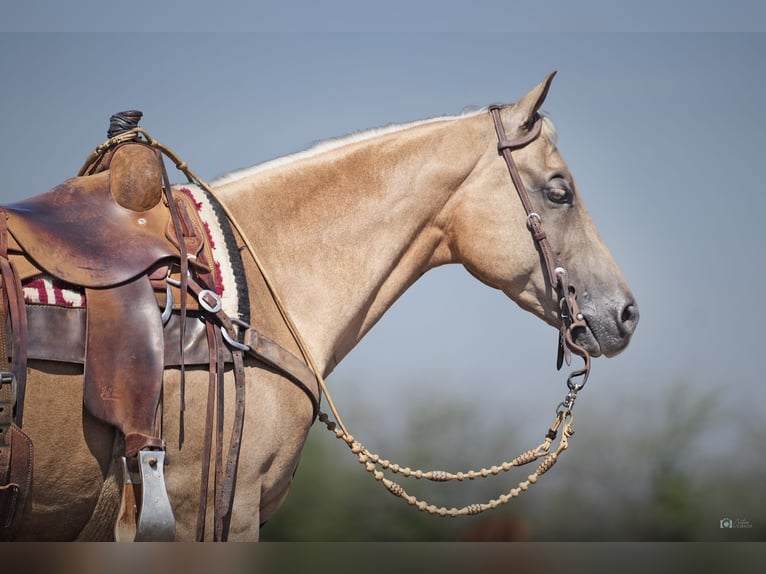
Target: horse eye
x=558, y=192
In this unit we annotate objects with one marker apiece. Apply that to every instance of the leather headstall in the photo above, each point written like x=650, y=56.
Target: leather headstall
x=570, y=317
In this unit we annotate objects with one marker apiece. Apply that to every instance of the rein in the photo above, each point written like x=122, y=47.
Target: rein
x=570, y=319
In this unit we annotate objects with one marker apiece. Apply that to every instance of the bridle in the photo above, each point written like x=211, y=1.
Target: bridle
x=570, y=317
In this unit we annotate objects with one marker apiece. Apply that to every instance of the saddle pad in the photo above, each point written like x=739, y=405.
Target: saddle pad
x=47, y=290
x=229, y=272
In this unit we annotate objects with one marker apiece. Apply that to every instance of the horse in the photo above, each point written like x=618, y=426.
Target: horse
x=343, y=228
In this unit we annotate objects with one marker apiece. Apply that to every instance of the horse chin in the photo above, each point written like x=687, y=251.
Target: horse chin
x=586, y=339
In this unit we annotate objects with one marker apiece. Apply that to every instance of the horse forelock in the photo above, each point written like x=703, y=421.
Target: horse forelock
x=549, y=130
x=332, y=144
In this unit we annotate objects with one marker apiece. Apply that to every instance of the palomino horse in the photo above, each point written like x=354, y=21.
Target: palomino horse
x=343, y=229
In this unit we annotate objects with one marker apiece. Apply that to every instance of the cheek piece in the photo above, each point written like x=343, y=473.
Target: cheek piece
x=570, y=317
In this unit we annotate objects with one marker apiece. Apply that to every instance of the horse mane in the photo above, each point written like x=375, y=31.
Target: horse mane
x=338, y=142
x=334, y=143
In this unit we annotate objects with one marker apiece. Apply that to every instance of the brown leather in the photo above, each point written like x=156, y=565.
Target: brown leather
x=16, y=452
x=193, y=231
x=25, y=267
x=136, y=176
x=214, y=340
x=225, y=486
x=80, y=234
x=12, y=302
x=15, y=486
x=7, y=403
x=505, y=147
x=58, y=334
x=123, y=355
x=137, y=441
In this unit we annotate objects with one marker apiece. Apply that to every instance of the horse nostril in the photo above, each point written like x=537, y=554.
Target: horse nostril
x=629, y=317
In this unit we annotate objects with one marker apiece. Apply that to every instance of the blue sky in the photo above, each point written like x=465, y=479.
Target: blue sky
x=420, y=16
x=662, y=131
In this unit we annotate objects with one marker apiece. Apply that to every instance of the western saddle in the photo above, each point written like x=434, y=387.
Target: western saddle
x=136, y=248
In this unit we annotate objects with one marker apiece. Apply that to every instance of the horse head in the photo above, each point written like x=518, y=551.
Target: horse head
x=489, y=222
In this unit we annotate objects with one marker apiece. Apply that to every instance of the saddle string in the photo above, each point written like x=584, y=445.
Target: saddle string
x=371, y=461
x=184, y=265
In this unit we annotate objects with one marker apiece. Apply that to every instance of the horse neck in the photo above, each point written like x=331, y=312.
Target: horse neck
x=343, y=232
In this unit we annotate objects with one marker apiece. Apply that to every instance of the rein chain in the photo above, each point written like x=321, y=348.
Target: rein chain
x=570, y=319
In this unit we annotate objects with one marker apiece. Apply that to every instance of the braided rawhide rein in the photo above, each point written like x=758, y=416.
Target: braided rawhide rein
x=375, y=465
x=372, y=462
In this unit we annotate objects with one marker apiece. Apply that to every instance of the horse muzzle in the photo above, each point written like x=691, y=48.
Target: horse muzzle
x=609, y=329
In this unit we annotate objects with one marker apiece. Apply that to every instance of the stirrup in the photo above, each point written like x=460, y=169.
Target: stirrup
x=154, y=520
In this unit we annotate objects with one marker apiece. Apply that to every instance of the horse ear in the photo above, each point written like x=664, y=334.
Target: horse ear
x=525, y=110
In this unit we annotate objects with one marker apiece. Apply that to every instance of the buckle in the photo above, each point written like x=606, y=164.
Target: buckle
x=7, y=403
x=8, y=378
x=215, y=306
x=231, y=341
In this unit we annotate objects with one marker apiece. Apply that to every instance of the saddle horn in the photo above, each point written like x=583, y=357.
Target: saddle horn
x=123, y=122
